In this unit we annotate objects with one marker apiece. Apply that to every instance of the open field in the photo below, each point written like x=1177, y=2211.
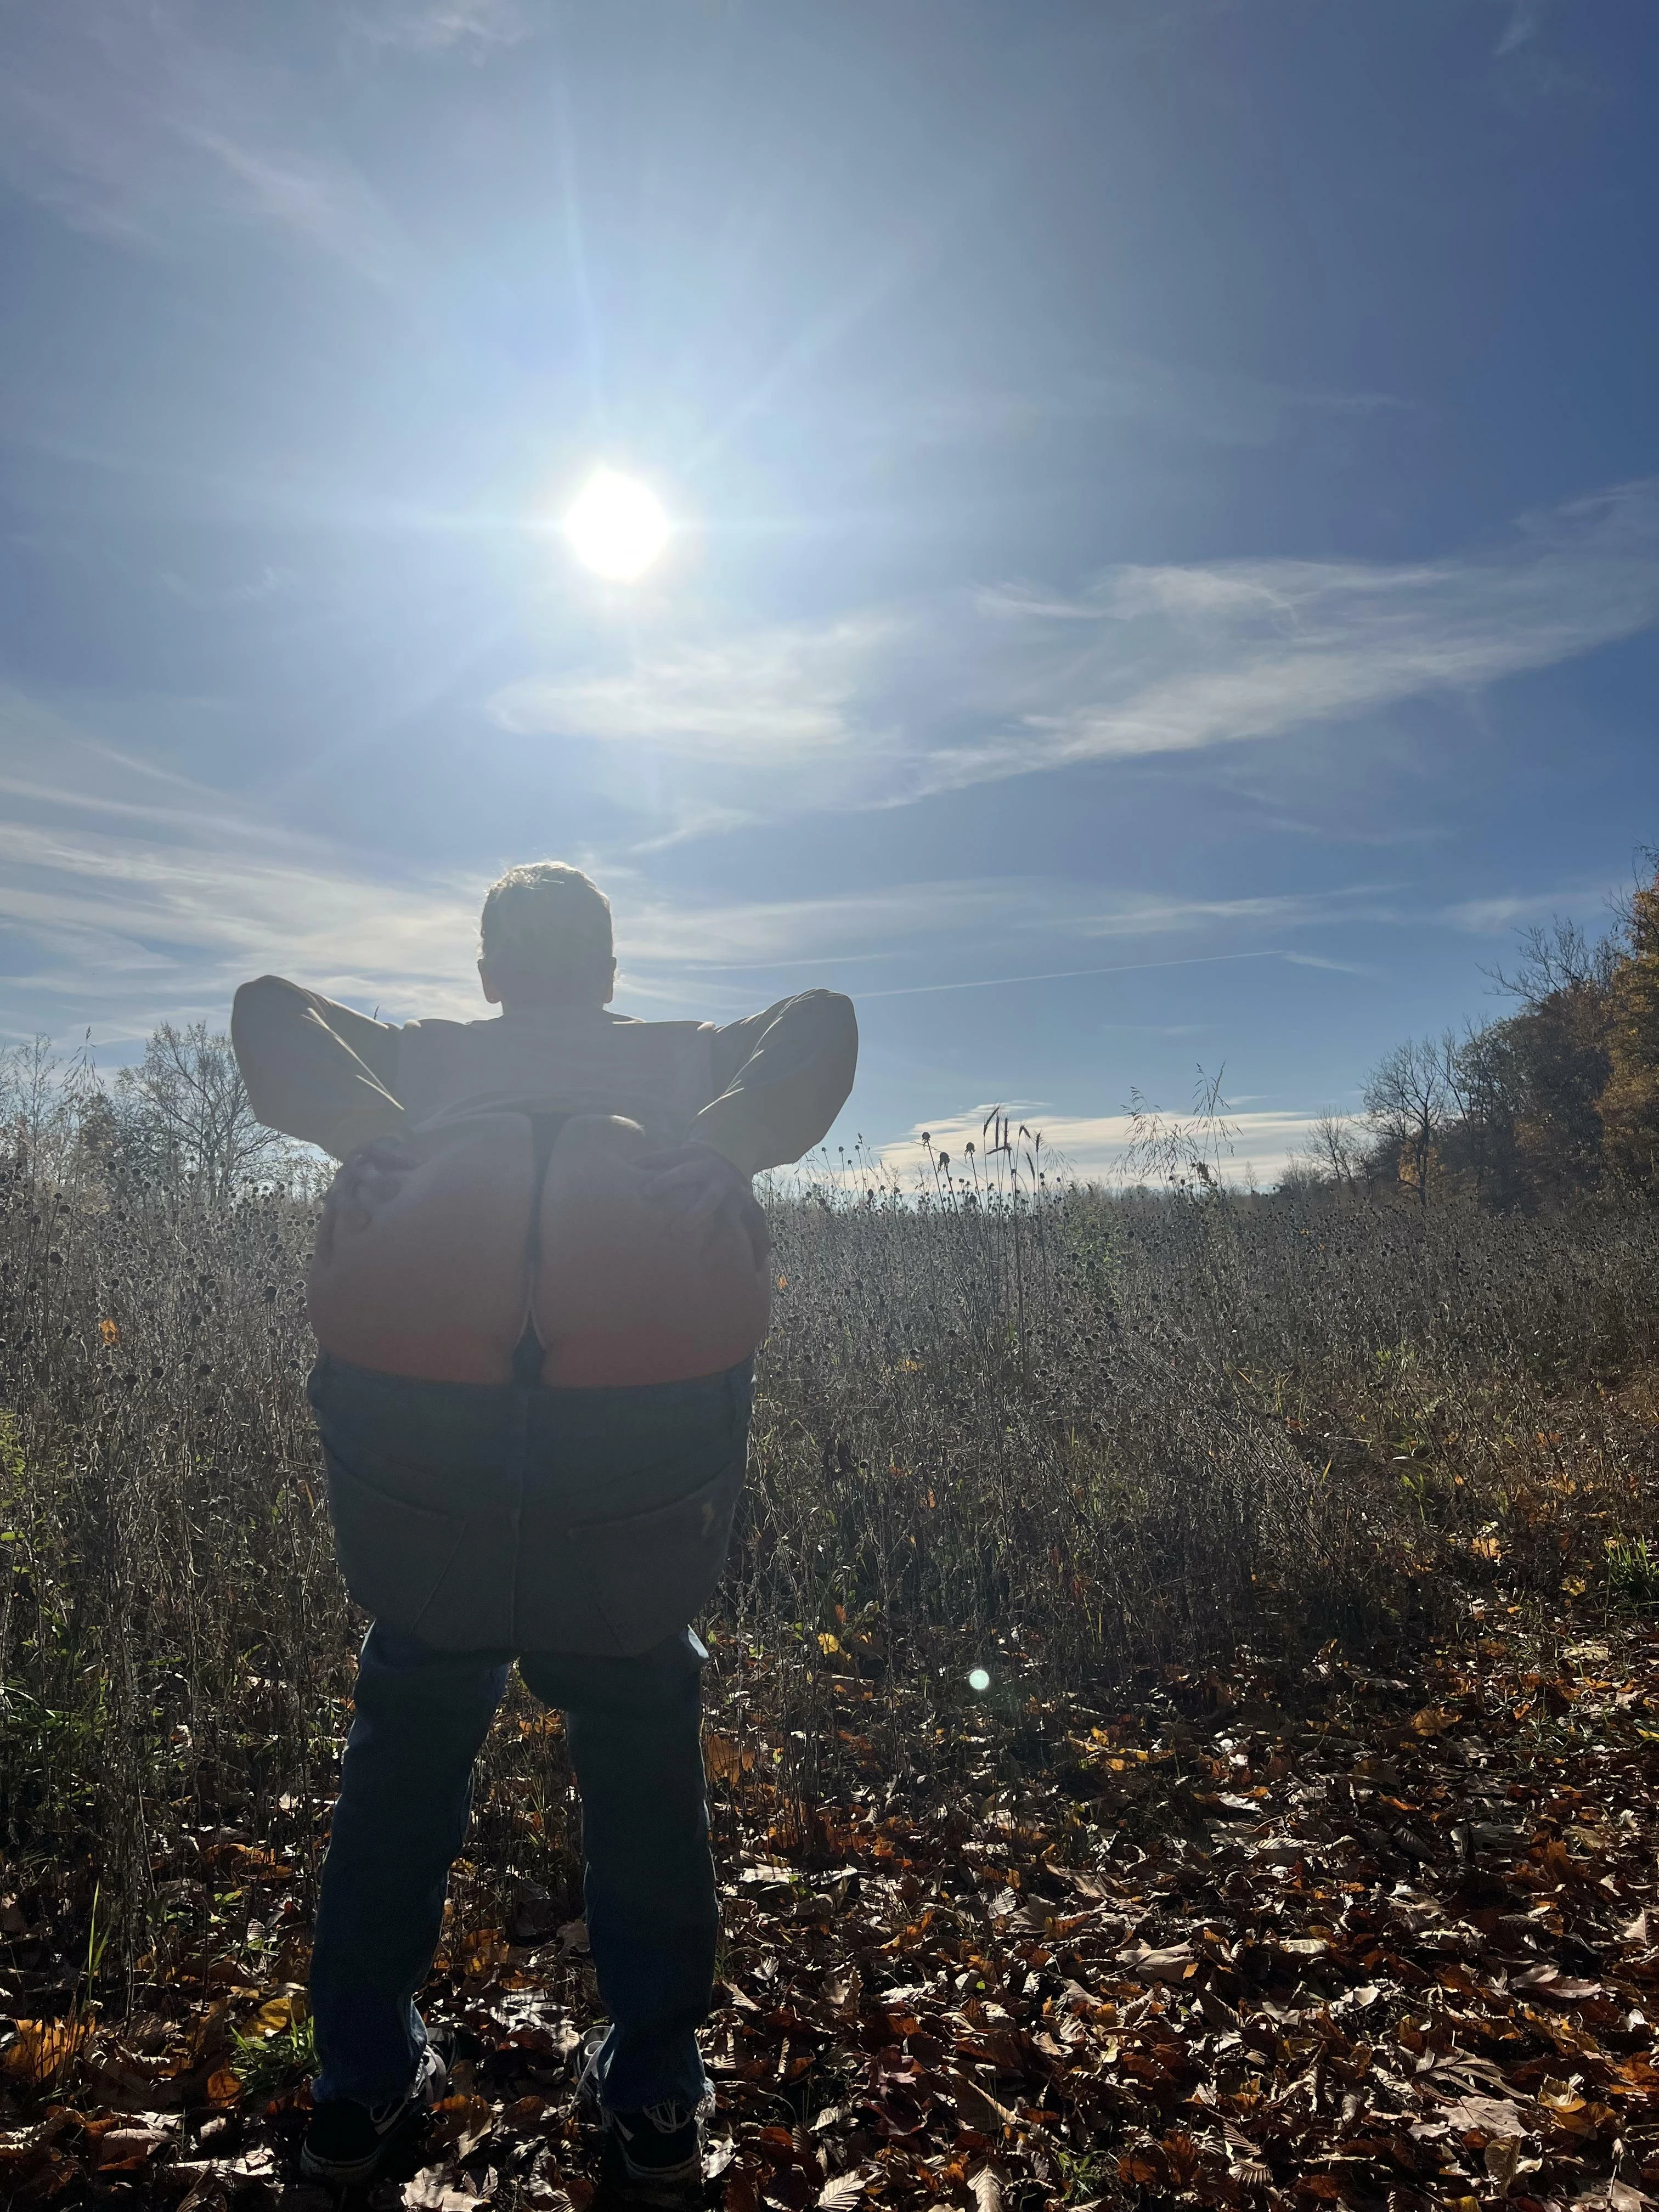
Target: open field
x=1297, y=1844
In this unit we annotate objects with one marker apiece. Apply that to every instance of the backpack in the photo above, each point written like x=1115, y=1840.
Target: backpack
x=584, y=1502
x=519, y=1249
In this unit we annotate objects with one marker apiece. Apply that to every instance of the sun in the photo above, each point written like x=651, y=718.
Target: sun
x=617, y=525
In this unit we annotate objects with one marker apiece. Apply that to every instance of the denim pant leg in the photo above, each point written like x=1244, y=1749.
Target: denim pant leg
x=405, y=1796
x=634, y=1727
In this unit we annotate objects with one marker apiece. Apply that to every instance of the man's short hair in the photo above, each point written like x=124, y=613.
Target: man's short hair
x=546, y=919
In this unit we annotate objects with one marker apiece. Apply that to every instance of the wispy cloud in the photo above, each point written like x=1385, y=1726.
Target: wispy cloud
x=786, y=693
x=437, y=27
x=1526, y=20
x=143, y=121
x=1207, y=407
x=972, y=688
x=1497, y=916
x=1335, y=966
x=1093, y=1146
x=121, y=925
x=1125, y=914
x=1063, y=975
x=1176, y=660
x=129, y=895
x=854, y=925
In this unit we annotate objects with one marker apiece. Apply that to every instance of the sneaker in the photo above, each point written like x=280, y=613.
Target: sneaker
x=587, y=2076
x=654, y=2159
x=346, y=2141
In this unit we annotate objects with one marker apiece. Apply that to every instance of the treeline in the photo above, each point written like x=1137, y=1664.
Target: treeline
x=175, y=1128
x=1557, y=1099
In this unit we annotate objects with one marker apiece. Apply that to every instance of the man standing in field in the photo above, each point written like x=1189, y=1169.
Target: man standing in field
x=458, y=1504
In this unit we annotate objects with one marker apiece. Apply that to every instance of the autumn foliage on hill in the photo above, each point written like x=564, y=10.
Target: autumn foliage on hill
x=1629, y=1104
x=1559, y=1099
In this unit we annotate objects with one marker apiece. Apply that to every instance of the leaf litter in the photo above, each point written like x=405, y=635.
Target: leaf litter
x=1281, y=1936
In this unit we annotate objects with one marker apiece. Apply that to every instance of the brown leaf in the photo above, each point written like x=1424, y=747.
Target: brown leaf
x=1547, y=1981
x=210, y=2031
x=742, y=2192
x=1435, y=1720
x=1558, y=2096
x=1172, y=1964
x=845, y=2191
x=463, y=2121
x=725, y=1759
x=206, y=2194
x=120, y=2150
x=977, y=2105
x=283, y=2012
x=42, y=2048
x=1501, y=2157
x=434, y=2189
x=1491, y=2116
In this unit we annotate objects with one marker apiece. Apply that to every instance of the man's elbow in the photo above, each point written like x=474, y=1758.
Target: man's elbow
x=831, y=1014
x=837, y=1053
x=841, y=1023
x=262, y=992
x=257, y=1007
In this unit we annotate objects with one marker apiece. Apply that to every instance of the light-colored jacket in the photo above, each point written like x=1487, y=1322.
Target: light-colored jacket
x=762, y=1091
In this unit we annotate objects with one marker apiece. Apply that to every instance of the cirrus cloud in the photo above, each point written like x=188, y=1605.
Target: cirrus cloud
x=969, y=688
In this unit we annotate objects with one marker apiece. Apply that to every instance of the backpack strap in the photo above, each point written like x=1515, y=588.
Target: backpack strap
x=529, y=1351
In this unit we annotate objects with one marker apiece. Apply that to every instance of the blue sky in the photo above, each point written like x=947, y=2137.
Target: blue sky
x=1167, y=503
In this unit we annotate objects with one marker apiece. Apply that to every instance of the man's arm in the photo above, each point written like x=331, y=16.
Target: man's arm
x=783, y=1076
x=314, y=1069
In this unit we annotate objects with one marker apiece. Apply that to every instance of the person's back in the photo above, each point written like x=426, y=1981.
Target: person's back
x=539, y=1277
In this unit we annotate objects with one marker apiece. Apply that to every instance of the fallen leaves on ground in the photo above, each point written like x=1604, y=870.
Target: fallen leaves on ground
x=1379, y=1936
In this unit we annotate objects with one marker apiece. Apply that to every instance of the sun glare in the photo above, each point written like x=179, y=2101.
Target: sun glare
x=617, y=525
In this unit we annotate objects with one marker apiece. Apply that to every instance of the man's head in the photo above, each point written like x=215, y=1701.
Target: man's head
x=545, y=938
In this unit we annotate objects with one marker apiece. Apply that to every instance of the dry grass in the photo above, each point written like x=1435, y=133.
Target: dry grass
x=1062, y=1435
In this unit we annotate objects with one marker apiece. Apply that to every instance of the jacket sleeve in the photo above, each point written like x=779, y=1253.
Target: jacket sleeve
x=313, y=1068
x=783, y=1076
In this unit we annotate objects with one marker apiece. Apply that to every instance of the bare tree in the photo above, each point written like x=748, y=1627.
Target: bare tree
x=45, y=1096
x=31, y=1101
x=1331, y=1149
x=1560, y=957
x=186, y=1118
x=1411, y=1097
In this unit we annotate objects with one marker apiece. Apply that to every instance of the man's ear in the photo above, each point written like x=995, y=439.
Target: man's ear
x=491, y=991
x=611, y=984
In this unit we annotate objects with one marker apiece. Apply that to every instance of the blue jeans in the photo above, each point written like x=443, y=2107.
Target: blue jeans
x=632, y=1728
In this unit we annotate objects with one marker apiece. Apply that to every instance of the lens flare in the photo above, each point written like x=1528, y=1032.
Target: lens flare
x=979, y=1681
x=617, y=525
